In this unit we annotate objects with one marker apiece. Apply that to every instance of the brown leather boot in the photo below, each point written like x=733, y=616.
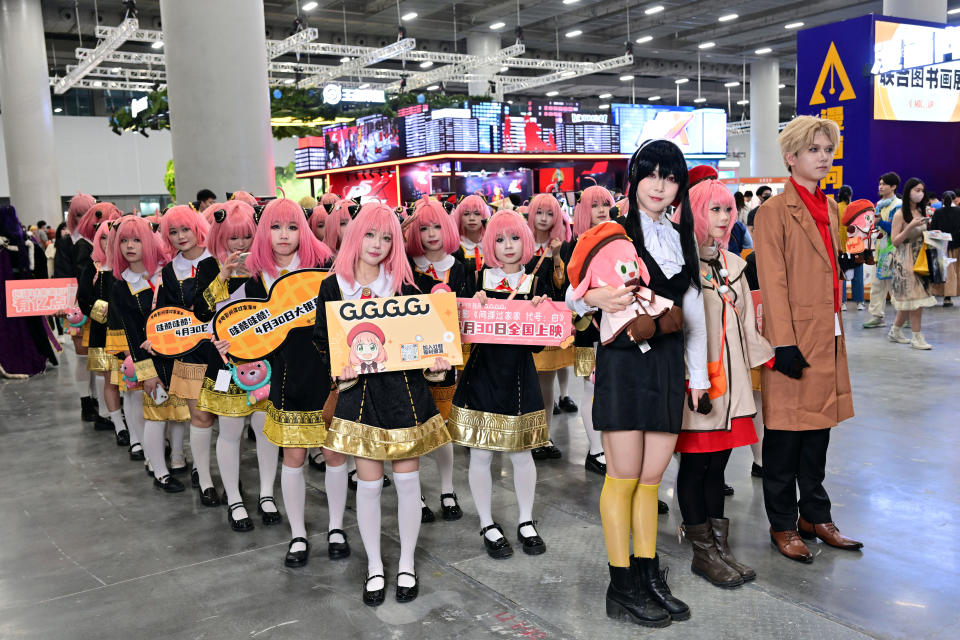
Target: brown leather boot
x=789, y=544
x=707, y=562
x=721, y=532
x=829, y=533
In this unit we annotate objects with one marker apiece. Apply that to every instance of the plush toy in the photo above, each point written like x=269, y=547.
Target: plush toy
x=860, y=219
x=76, y=319
x=129, y=373
x=605, y=256
x=254, y=378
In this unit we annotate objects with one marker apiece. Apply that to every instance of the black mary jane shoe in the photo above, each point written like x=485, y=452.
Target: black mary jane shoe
x=453, y=512
x=662, y=507
x=320, y=466
x=209, y=497
x=103, y=424
x=243, y=524
x=727, y=490
x=756, y=470
x=426, y=514
x=567, y=405
x=408, y=594
x=549, y=452
x=352, y=480
x=168, y=484
x=593, y=464
x=135, y=452
x=532, y=545
x=496, y=549
x=194, y=478
x=123, y=438
x=337, y=550
x=297, y=558
x=374, y=598
x=269, y=517
x=556, y=409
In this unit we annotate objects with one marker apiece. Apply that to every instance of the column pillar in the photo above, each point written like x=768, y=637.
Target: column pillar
x=929, y=10
x=481, y=44
x=765, y=157
x=218, y=96
x=27, y=116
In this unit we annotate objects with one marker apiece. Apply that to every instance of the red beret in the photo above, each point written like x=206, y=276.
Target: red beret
x=854, y=209
x=365, y=327
x=699, y=173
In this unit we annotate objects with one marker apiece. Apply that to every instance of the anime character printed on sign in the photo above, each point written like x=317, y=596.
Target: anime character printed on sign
x=367, y=353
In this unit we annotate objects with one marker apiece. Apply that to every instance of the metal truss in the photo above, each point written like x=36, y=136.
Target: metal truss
x=140, y=35
x=275, y=49
x=89, y=62
x=118, y=73
x=313, y=69
x=128, y=57
x=355, y=66
x=119, y=85
x=443, y=74
x=560, y=76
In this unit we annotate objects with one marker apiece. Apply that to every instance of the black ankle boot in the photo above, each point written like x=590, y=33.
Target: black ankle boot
x=654, y=581
x=88, y=411
x=626, y=600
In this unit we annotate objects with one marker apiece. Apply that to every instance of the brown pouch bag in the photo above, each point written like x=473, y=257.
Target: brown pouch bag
x=330, y=406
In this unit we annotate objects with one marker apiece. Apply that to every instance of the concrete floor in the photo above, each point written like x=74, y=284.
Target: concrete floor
x=91, y=550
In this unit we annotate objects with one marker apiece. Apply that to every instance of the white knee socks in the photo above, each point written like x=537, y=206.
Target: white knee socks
x=368, y=521
x=408, y=521
x=153, y=446
x=266, y=459
x=81, y=376
x=563, y=381
x=98, y=390
x=117, y=418
x=586, y=414
x=481, y=488
x=133, y=410
x=294, y=489
x=228, y=460
x=546, y=389
x=177, y=431
x=525, y=485
x=200, y=438
x=335, y=484
x=444, y=458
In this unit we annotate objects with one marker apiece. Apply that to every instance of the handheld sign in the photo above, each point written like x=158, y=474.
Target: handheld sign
x=173, y=331
x=393, y=334
x=515, y=322
x=257, y=328
x=40, y=297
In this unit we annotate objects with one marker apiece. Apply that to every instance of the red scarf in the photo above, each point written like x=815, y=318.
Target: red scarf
x=816, y=204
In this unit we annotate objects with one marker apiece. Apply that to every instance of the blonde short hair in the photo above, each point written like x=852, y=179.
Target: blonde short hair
x=801, y=131
x=307, y=202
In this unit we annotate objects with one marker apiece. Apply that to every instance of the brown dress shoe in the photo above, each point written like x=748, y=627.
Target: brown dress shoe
x=789, y=544
x=829, y=533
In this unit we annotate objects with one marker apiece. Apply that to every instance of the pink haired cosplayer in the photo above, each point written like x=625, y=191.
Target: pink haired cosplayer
x=701, y=195
x=100, y=212
x=501, y=224
x=543, y=201
x=183, y=215
x=312, y=252
x=374, y=216
x=243, y=196
x=99, y=255
x=470, y=203
x=139, y=228
x=327, y=201
x=238, y=223
x=79, y=204
x=317, y=217
x=583, y=211
x=331, y=234
x=430, y=212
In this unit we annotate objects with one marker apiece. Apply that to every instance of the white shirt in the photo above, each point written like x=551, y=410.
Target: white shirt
x=290, y=268
x=440, y=267
x=184, y=268
x=138, y=281
x=494, y=276
x=382, y=287
x=662, y=241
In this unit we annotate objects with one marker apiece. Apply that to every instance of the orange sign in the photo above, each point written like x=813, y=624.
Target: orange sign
x=393, y=334
x=173, y=331
x=257, y=328
x=40, y=297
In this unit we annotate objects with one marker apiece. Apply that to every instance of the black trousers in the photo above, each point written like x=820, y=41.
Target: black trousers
x=791, y=460
x=700, y=485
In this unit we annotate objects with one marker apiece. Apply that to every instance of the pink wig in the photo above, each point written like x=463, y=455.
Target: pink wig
x=374, y=216
x=183, y=215
x=543, y=201
x=98, y=255
x=429, y=212
x=207, y=214
x=582, y=212
x=501, y=224
x=702, y=195
x=243, y=196
x=470, y=203
x=319, y=215
x=79, y=204
x=100, y=212
x=312, y=252
x=239, y=222
x=134, y=227
x=329, y=199
x=331, y=234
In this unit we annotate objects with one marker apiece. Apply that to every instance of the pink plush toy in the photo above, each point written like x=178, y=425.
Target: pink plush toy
x=254, y=378
x=129, y=373
x=76, y=319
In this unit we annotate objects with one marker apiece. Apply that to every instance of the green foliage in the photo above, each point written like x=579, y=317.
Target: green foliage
x=286, y=179
x=170, y=181
x=155, y=117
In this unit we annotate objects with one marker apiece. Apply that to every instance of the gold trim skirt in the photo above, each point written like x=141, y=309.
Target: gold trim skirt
x=374, y=443
x=303, y=429
x=553, y=358
x=187, y=379
x=585, y=360
x=231, y=403
x=98, y=359
x=498, y=432
x=85, y=335
x=174, y=409
x=443, y=398
x=116, y=341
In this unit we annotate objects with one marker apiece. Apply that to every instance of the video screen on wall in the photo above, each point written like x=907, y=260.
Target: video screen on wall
x=529, y=134
x=496, y=185
x=367, y=140
x=695, y=131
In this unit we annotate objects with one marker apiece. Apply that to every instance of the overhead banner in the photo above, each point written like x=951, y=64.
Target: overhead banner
x=515, y=322
x=393, y=334
x=174, y=331
x=40, y=297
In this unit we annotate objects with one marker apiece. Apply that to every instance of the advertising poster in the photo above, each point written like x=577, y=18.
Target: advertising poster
x=515, y=322
x=529, y=134
x=173, y=331
x=393, y=334
x=40, y=297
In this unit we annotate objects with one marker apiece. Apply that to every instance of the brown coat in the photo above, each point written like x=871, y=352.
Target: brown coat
x=796, y=282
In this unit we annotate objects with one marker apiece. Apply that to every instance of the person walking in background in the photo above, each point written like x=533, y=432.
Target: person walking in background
x=742, y=208
x=910, y=291
x=843, y=199
x=880, y=282
x=947, y=219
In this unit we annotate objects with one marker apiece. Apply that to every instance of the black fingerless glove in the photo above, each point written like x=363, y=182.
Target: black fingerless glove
x=789, y=361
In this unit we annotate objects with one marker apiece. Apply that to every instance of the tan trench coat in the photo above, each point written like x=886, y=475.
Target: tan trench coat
x=743, y=349
x=796, y=282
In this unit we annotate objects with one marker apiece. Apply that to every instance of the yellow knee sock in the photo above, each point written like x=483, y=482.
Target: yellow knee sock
x=645, y=520
x=615, y=500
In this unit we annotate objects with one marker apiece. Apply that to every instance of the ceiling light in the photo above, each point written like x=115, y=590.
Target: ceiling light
x=58, y=110
x=653, y=98
x=509, y=101
x=426, y=64
x=97, y=83
x=408, y=16
x=157, y=45
x=570, y=1
x=289, y=81
x=644, y=39
x=310, y=6
x=652, y=10
x=550, y=94
x=706, y=45
x=604, y=96
x=699, y=100
x=574, y=33
x=953, y=11
x=433, y=87
x=504, y=69
x=626, y=78
x=498, y=25
x=344, y=59
x=743, y=102
x=116, y=69
x=793, y=25
x=365, y=85
x=781, y=86
x=604, y=106
x=728, y=17
x=762, y=51
x=731, y=84
x=681, y=80
x=568, y=73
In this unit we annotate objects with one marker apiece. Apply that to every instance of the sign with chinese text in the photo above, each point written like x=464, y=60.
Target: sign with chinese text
x=256, y=328
x=515, y=322
x=173, y=331
x=40, y=297
x=393, y=334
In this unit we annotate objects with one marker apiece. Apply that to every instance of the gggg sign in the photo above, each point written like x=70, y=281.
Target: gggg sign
x=173, y=331
x=40, y=297
x=515, y=322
